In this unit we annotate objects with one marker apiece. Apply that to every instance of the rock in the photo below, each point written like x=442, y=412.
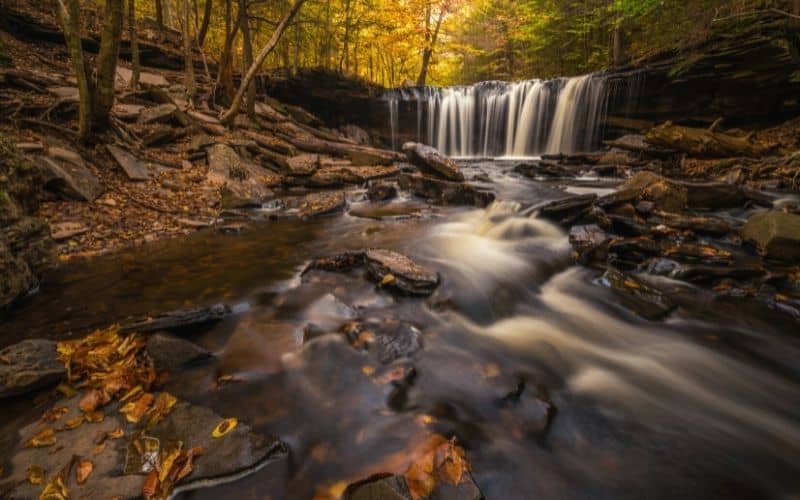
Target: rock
x=588, y=242
x=162, y=134
x=200, y=142
x=30, y=147
x=381, y=191
x=431, y=161
x=66, y=93
x=398, y=272
x=388, y=339
x=445, y=192
x=355, y=134
x=340, y=263
x=130, y=164
x=567, y=210
x=318, y=204
x=638, y=296
x=158, y=114
x=127, y=112
x=303, y=116
x=381, y=487
x=71, y=179
x=638, y=144
x=775, y=234
x=67, y=230
x=29, y=365
x=713, y=195
x=146, y=79
x=177, y=319
x=195, y=223
x=665, y=194
x=203, y=118
x=302, y=165
x=234, y=455
x=242, y=183
x=713, y=226
x=172, y=353
x=16, y=277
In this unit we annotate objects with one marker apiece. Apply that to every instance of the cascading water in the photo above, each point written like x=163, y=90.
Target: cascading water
x=507, y=119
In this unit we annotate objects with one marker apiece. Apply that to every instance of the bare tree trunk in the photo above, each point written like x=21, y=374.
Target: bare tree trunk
x=107, y=62
x=619, y=46
x=428, y=53
x=225, y=67
x=229, y=116
x=344, y=58
x=247, y=42
x=296, y=61
x=134, y=38
x=187, y=50
x=68, y=14
x=169, y=14
x=159, y=15
x=203, y=31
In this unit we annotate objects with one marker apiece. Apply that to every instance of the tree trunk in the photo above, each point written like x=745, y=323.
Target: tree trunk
x=225, y=67
x=159, y=15
x=230, y=115
x=343, y=58
x=619, y=46
x=203, y=31
x=247, y=42
x=68, y=14
x=133, y=35
x=187, y=50
x=107, y=62
x=428, y=52
x=296, y=61
x=169, y=15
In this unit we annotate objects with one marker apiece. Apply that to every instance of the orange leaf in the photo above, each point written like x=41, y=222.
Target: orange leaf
x=83, y=471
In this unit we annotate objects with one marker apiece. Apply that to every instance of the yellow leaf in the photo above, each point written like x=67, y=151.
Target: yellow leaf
x=116, y=433
x=95, y=416
x=388, y=279
x=135, y=410
x=45, y=437
x=133, y=392
x=35, y=474
x=54, y=414
x=367, y=370
x=161, y=407
x=224, y=427
x=73, y=423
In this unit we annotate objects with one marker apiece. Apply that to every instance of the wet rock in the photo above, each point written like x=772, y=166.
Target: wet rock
x=775, y=234
x=171, y=353
x=29, y=239
x=162, y=113
x=713, y=226
x=341, y=263
x=663, y=193
x=543, y=169
x=589, y=243
x=29, y=365
x=638, y=296
x=445, y=192
x=379, y=488
x=242, y=183
x=133, y=168
x=71, y=179
x=236, y=454
x=628, y=226
x=431, y=161
x=713, y=195
x=709, y=274
x=398, y=272
x=567, y=210
x=696, y=252
x=381, y=191
x=638, y=144
x=177, y=319
x=388, y=339
x=319, y=204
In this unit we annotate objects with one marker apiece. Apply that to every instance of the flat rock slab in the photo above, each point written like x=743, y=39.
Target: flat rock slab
x=158, y=114
x=431, y=161
x=444, y=192
x=172, y=353
x=398, y=272
x=133, y=168
x=66, y=230
x=66, y=93
x=177, y=319
x=145, y=79
x=318, y=204
x=776, y=234
x=29, y=365
x=127, y=112
x=233, y=455
x=74, y=180
x=203, y=117
x=302, y=165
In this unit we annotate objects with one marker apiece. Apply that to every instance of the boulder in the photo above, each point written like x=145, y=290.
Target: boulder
x=588, y=242
x=445, y=192
x=172, y=353
x=158, y=114
x=775, y=234
x=567, y=210
x=29, y=365
x=71, y=179
x=242, y=183
x=398, y=272
x=665, y=194
x=302, y=165
x=388, y=339
x=431, y=161
x=119, y=468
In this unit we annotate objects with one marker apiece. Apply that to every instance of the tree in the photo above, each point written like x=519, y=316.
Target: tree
x=187, y=49
x=203, y=31
x=96, y=92
x=247, y=42
x=229, y=116
x=431, y=38
x=133, y=35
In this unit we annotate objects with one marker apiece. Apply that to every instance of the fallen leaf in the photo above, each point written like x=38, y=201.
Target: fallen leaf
x=35, y=474
x=224, y=427
x=67, y=390
x=442, y=461
x=95, y=416
x=54, y=414
x=56, y=488
x=161, y=407
x=45, y=437
x=150, y=484
x=388, y=279
x=99, y=448
x=135, y=410
x=367, y=370
x=168, y=460
x=130, y=394
x=116, y=433
x=83, y=471
x=92, y=400
x=74, y=423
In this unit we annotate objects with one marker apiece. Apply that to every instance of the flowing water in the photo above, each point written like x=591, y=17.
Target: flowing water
x=686, y=407
x=493, y=119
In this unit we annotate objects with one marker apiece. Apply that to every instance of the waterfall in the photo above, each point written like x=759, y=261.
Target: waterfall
x=507, y=119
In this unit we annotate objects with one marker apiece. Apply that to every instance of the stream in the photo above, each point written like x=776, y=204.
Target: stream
x=703, y=404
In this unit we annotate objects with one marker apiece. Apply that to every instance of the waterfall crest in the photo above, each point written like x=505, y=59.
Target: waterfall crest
x=491, y=119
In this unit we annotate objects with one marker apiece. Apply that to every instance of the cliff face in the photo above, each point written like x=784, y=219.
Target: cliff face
x=747, y=71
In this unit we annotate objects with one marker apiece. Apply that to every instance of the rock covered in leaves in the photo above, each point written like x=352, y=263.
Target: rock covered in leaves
x=240, y=182
x=29, y=365
x=776, y=234
x=431, y=161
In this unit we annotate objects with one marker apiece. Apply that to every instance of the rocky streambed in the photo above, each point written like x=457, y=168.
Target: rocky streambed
x=602, y=329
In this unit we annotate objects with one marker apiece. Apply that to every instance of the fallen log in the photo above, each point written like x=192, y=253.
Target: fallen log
x=706, y=143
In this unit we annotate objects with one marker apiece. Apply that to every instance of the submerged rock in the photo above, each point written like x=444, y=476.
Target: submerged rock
x=388, y=339
x=431, y=161
x=29, y=365
x=775, y=234
x=172, y=353
x=638, y=296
